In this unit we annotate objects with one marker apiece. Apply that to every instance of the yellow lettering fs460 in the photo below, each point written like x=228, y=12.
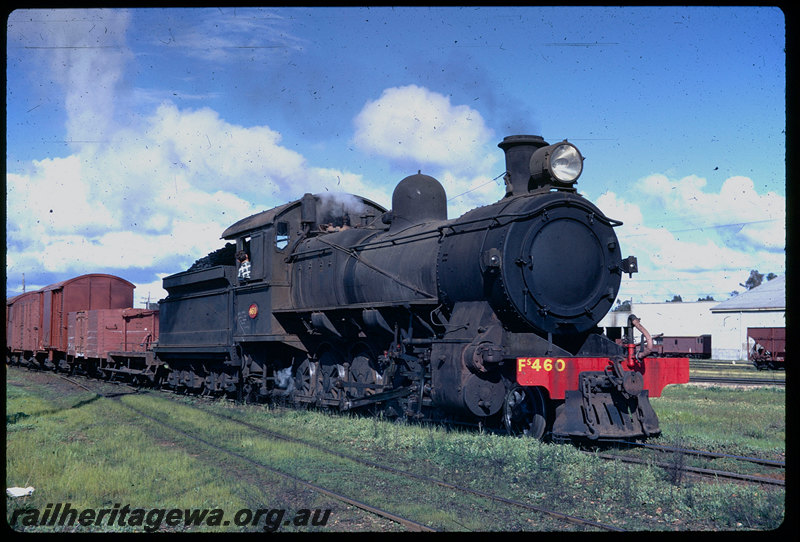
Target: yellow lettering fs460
x=539, y=364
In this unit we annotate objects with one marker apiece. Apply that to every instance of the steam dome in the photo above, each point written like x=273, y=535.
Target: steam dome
x=418, y=198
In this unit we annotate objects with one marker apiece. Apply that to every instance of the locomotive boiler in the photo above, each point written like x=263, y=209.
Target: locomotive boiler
x=487, y=317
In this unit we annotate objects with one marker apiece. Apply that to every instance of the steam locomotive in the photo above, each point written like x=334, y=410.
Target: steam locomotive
x=488, y=317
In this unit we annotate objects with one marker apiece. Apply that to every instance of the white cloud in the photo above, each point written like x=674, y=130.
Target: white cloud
x=413, y=125
x=618, y=209
x=418, y=129
x=693, y=241
x=149, y=291
x=53, y=195
x=151, y=199
x=737, y=212
x=215, y=153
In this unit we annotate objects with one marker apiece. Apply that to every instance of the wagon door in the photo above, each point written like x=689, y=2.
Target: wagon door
x=77, y=334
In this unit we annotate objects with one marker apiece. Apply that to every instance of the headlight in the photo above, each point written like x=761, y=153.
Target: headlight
x=566, y=163
x=561, y=163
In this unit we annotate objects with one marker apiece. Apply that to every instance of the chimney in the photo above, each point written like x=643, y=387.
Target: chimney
x=519, y=149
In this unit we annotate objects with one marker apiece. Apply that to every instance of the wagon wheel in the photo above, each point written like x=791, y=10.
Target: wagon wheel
x=363, y=372
x=525, y=412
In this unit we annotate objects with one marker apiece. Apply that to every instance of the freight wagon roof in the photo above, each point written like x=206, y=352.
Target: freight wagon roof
x=769, y=295
x=18, y=298
x=63, y=283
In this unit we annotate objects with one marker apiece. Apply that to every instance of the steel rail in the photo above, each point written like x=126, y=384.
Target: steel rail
x=558, y=515
x=743, y=381
x=697, y=470
x=405, y=522
x=703, y=453
x=572, y=519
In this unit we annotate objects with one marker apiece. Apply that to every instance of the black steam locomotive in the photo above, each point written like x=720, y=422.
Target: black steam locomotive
x=490, y=316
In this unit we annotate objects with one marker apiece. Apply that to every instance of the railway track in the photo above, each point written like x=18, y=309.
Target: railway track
x=409, y=524
x=738, y=381
x=676, y=466
x=705, y=453
x=679, y=465
x=427, y=479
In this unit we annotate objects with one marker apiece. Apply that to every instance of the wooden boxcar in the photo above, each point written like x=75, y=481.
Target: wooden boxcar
x=37, y=322
x=24, y=323
x=95, y=333
x=767, y=347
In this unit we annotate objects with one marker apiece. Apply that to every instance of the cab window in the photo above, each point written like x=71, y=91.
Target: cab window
x=281, y=235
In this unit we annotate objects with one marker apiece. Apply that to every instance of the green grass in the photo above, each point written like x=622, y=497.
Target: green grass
x=94, y=452
x=561, y=477
x=737, y=421
x=95, y=456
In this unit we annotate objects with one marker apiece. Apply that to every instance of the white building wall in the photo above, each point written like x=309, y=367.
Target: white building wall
x=672, y=319
x=728, y=330
x=729, y=340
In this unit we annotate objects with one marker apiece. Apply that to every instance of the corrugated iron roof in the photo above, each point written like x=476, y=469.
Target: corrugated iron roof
x=768, y=295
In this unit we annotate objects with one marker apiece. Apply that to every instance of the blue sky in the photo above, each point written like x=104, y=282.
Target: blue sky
x=135, y=137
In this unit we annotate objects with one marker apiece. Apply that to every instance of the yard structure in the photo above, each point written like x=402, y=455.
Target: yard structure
x=727, y=322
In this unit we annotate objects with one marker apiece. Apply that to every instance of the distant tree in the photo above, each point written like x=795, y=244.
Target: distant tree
x=706, y=298
x=771, y=276
x=675, y=299
x=753, y=280
x=734, y=293
x=622, y=306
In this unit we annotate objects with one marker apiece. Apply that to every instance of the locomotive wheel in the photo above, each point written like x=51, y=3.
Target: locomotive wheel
x=249, y=392
x=332, y=374
x=306, y=379
x=525, y=412
x=362, y=371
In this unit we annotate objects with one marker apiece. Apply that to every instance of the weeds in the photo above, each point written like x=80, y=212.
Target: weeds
x=100, y=453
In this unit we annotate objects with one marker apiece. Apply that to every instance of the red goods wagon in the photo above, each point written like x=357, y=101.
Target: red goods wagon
x=37, y=321
x=108, y=342
x=24, y=322
x=767, y=347
x=96, y=333
x=693, y=347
